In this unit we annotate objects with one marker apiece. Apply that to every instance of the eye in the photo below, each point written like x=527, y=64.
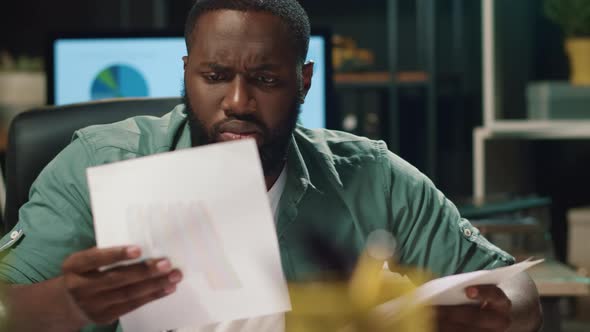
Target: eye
x=267, y=80
x=215, y=76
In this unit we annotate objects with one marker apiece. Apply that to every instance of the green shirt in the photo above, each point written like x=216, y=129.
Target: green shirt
x=339, y=188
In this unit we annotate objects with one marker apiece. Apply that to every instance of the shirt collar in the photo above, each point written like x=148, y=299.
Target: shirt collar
x=179, y=126
x=298, y=173
x=319, y=150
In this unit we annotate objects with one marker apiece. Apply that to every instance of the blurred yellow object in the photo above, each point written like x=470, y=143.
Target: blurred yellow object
x=578, y=50
x=366, y=281
x=361, y=304
x=346, y=56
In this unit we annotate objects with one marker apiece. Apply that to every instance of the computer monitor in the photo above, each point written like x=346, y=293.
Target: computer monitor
x=92, y=67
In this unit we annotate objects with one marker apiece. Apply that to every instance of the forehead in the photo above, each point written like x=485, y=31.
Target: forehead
x=231, y=35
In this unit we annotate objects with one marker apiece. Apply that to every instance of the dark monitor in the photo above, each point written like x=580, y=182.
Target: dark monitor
x=92, y=67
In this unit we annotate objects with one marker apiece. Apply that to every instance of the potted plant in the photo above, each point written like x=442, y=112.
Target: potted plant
x=574, y=18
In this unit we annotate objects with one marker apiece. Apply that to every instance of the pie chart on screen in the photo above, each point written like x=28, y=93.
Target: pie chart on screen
x=118, y=81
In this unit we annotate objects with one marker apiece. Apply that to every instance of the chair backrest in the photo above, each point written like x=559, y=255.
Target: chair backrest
x=37, y=136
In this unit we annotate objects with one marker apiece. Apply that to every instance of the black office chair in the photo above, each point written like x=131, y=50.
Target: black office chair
x=37, y=136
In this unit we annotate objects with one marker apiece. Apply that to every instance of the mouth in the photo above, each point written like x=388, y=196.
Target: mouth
x=230, y=136
x=235, y=130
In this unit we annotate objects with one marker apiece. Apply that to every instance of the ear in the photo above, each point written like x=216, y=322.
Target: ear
x=307, y=71
x=185, y=61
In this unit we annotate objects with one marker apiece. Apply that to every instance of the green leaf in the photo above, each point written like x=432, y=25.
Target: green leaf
x=572, y=15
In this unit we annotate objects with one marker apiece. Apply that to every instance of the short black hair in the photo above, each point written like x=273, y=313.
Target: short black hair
x=290, y=12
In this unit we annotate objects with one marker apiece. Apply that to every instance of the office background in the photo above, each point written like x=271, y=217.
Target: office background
x=425, y=104
x=530, y=49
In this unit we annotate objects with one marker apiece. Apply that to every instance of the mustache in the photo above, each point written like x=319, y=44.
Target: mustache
x=241, y=124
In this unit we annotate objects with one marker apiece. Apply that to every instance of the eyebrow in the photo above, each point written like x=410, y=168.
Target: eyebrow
x=214, y=66
x=219, y=67
x=265, y=66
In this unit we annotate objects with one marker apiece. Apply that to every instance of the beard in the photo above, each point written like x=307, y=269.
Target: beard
x=274, y=143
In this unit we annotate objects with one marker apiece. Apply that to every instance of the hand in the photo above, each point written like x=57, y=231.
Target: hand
x=102, y=297
x=492, y=313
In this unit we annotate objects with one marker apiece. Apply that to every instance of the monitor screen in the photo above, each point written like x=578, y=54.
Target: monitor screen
x=85, y=69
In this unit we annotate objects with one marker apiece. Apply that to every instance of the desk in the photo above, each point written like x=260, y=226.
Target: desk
x=554, y=279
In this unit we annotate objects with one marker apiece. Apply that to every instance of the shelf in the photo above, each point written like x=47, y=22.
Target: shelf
x=510, y=225
x=492, y=208
x=380, y=79
x=538, y=129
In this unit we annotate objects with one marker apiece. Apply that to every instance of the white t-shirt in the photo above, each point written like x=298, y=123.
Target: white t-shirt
x=276, y=191
x=270, y=323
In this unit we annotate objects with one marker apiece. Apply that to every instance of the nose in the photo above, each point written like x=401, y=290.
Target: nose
x=238, y=99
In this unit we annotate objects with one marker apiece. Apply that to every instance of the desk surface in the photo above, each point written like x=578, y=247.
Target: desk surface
x=556, y=279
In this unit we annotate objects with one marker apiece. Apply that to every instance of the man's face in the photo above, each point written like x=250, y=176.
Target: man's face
x=242, y=81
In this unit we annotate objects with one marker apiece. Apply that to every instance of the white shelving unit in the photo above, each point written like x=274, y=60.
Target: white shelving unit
x=508, y=138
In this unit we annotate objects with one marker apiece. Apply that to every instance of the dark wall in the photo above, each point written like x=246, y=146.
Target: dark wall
x=26, y=25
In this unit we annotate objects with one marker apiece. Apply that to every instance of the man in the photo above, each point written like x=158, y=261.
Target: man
x=245, y=77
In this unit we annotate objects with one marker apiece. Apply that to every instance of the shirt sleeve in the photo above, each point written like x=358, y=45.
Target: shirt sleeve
x=54, y=223
x=428, y=227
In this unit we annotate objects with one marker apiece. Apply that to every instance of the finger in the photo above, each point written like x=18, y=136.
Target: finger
x=166, y=284
x=473, y=316
x=128, y=275
x=93, y=259
x=490, y=296
x=114, y=312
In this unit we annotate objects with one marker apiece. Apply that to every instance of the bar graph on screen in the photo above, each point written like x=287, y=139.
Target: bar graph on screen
x=205, y=258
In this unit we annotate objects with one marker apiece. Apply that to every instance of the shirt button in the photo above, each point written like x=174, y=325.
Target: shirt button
x=467, y=232
x=14, y=235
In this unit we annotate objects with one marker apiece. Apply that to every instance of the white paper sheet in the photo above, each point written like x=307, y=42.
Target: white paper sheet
x=450, y=290
x=207, y=210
